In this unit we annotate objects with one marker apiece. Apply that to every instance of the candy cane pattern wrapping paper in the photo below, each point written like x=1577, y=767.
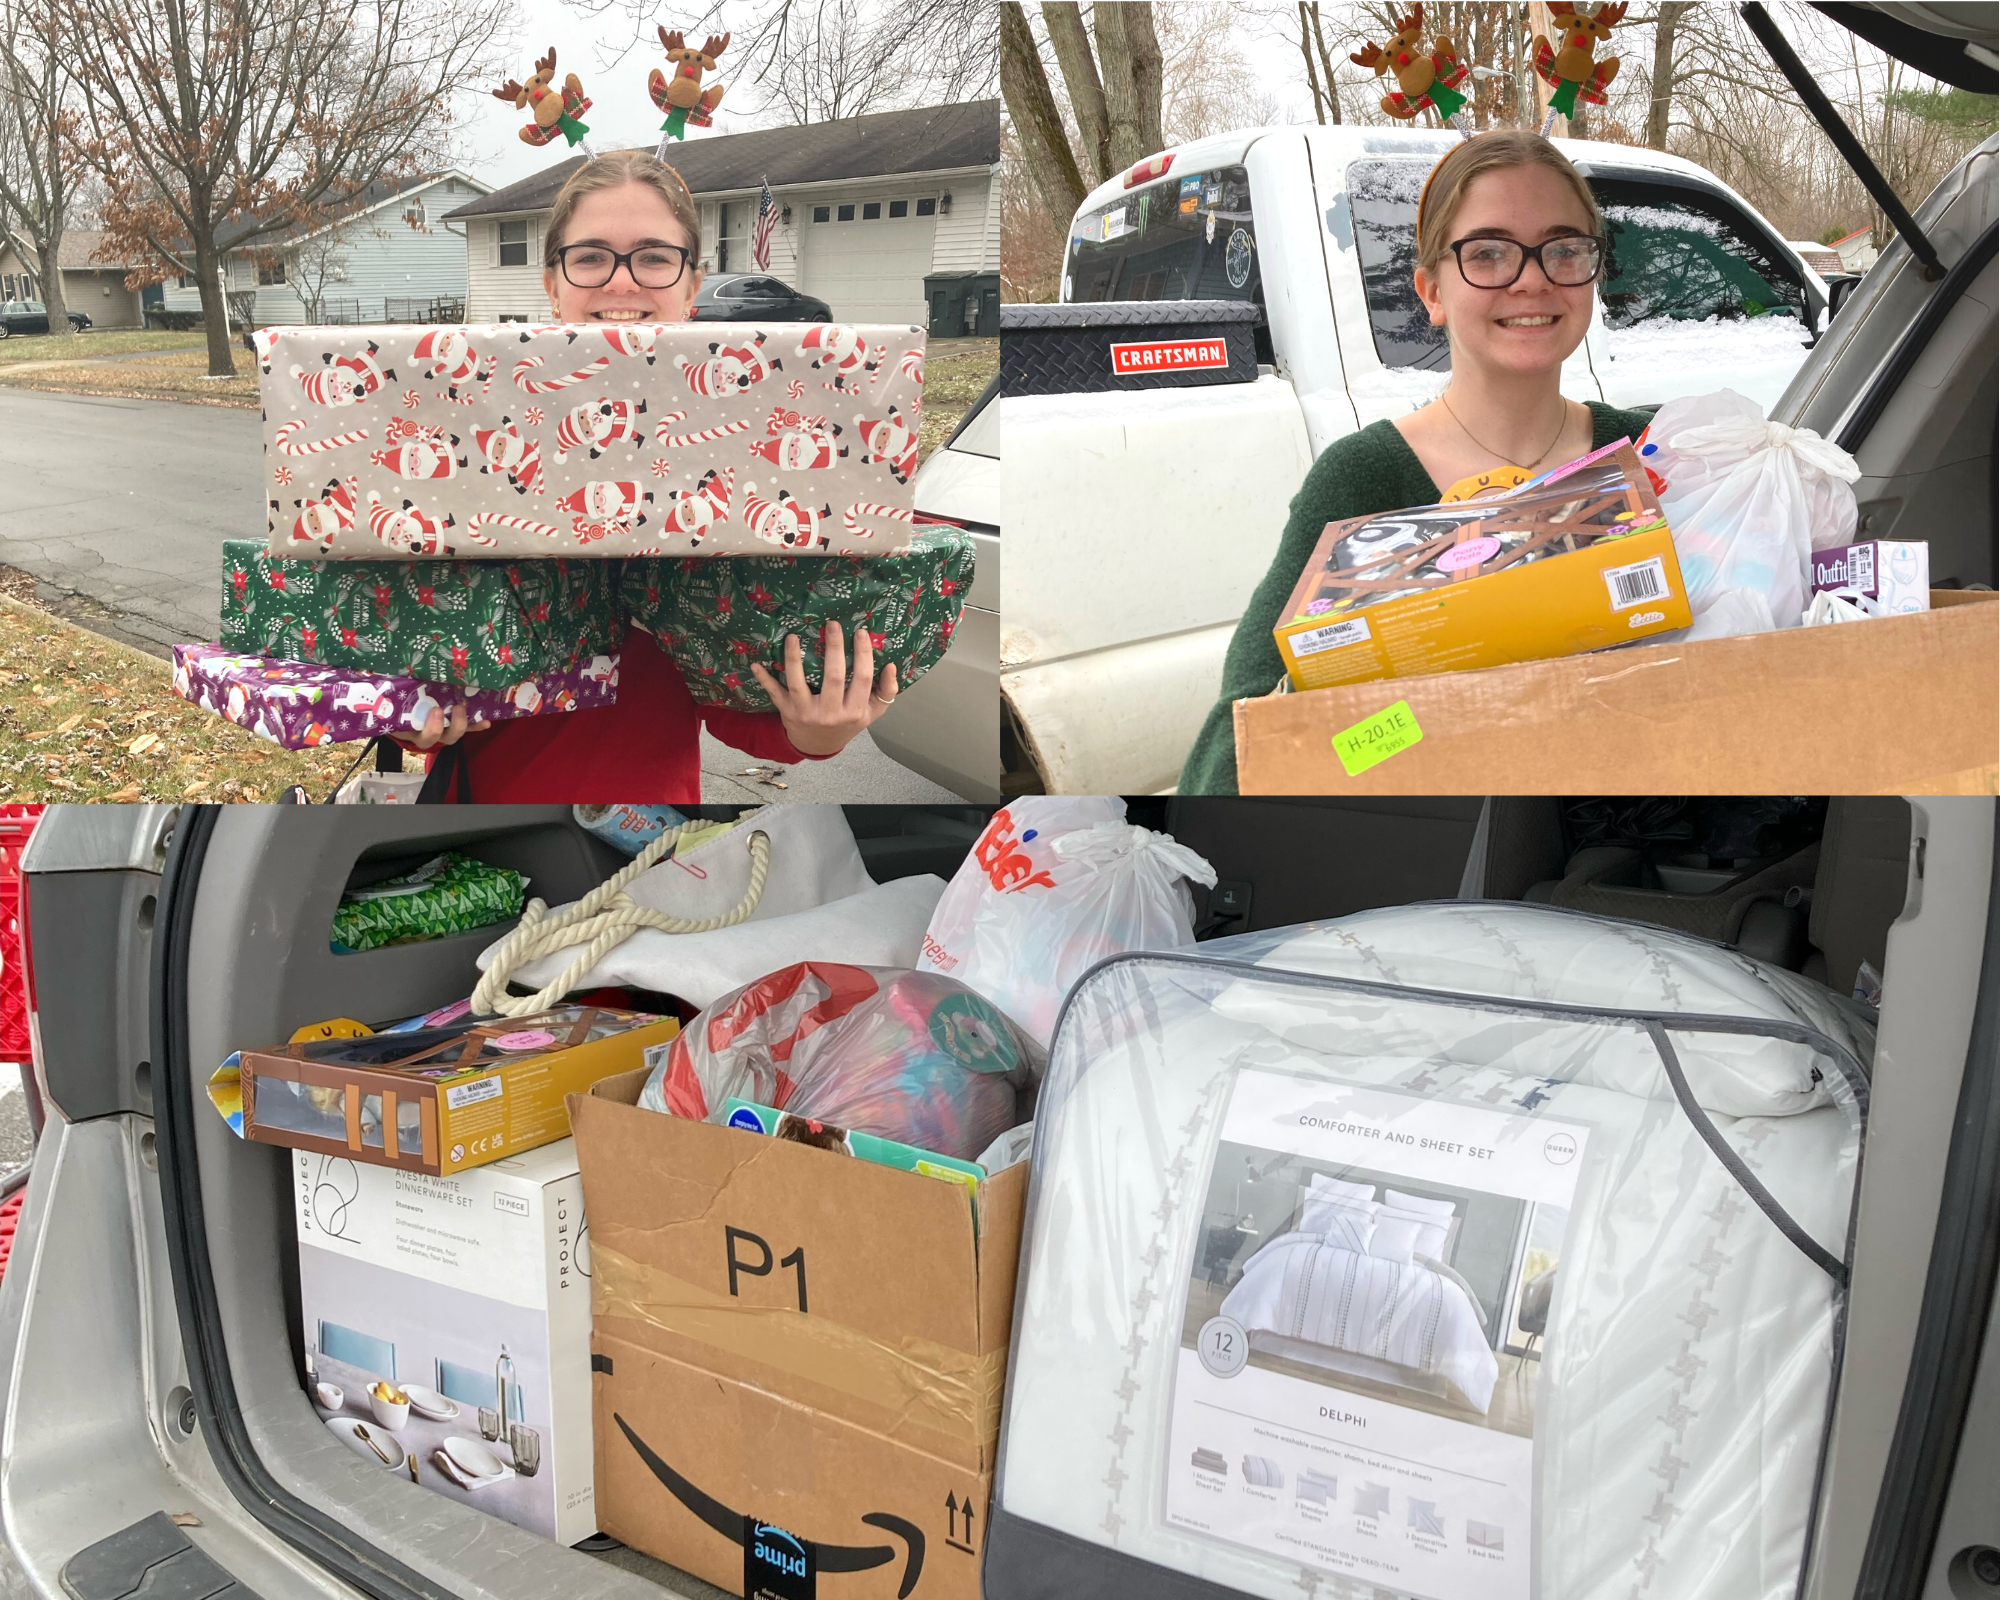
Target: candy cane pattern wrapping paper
x=704, y=393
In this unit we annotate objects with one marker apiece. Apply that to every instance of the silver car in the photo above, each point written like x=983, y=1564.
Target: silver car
x=947, y=727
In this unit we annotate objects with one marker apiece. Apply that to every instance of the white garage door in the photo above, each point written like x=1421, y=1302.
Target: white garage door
x=869, y=269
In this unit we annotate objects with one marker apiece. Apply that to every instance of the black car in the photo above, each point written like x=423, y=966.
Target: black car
x=31, y=316
x=751, y=297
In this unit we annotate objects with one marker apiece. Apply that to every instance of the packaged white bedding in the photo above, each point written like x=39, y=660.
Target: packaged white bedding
x=1679, y=1394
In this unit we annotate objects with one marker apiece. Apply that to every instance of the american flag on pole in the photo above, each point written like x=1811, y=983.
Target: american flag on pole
x=760, y=233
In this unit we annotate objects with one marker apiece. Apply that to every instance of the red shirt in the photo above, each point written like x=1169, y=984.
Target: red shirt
x=646, y=747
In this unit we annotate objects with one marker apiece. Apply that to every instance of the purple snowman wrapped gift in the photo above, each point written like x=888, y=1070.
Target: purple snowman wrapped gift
x=299, y=704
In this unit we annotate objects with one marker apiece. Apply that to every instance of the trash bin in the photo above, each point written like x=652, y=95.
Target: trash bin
x=963, y=304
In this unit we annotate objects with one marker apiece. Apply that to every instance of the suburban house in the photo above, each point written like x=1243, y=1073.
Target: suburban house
x=391, y=258
x=95, y=288
x=1857, y=251
x=893, y=217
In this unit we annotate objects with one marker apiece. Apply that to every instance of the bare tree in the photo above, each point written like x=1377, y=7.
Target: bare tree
x=38, y=176
x=318, y=258
x=813, y=60
x=1038, y=134
x=261, y=115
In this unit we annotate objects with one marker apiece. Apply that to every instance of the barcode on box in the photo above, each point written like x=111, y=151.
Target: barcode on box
x=1330, y=637
x=470, y=1094
x=1861, y=567
x=1640, y=582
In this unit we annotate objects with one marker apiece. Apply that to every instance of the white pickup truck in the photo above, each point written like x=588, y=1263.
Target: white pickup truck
x=1140, y=519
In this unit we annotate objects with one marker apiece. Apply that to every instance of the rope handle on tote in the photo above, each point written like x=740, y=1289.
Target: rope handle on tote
x=604, y=919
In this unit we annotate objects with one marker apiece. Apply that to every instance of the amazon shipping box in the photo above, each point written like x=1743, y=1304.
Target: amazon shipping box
x=797, y=1355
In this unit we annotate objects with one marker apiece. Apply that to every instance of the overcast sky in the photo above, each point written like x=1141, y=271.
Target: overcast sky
x=621, y=112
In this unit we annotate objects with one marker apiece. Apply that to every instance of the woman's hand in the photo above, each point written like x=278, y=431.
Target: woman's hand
x=823, y=724
x=437, y=731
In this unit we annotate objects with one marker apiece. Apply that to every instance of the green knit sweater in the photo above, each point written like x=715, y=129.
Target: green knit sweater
x=1367, y=472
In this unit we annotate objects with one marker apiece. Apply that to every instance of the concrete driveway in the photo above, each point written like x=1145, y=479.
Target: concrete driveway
x=119, y=509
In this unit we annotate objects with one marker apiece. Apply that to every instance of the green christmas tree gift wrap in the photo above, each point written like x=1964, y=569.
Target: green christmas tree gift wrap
x=718, y=614
x=448, y=894
x=479, y=624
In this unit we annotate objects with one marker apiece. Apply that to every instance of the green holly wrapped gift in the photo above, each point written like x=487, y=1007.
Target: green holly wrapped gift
x=480, y=624
x=449, y=894
x=717, y=614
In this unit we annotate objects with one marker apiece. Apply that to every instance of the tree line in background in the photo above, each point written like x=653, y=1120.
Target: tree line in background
x=186, y=129
x=1090, y=90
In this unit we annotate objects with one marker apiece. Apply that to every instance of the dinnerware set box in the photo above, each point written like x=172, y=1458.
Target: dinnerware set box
x=470, y=1296
x=587, y=439
x=798, y=1356
x=442, y=1098
x=1891, y=705
x=1575, y=564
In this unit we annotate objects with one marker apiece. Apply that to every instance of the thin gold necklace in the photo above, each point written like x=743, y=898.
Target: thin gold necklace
x=1444, y=399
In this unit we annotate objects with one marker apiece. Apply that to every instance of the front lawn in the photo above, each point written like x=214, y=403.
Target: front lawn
x=109, y=342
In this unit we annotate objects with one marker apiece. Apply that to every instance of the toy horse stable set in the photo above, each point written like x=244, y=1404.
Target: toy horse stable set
x=467, y=477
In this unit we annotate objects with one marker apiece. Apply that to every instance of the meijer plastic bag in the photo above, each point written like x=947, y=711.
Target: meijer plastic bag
x=1748, y=501
x=1052, y=888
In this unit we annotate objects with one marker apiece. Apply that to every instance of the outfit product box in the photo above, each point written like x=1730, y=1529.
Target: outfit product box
x=1895, y=574
x=590, y=439
x=299, y=705
x=471, y=1294
x=472, y=624
x=438, y=1099
x=797, y=1355
x=1919, y=698
x=1578, y=561
x=716, y=617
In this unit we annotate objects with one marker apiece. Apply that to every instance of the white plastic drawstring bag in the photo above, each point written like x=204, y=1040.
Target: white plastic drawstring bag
x=1475, y=1251
x=1053, y=887
x=1748, y=502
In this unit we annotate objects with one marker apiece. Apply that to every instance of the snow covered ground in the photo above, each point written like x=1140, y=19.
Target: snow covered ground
x=17, y=1140
x=1662, y=358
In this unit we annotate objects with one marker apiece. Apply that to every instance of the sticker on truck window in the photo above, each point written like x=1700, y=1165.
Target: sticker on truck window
x=1635, y=584
x=1170, y=355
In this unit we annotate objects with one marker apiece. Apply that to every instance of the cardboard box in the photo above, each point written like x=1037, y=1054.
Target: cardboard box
x=453, y=1283
x=798, y=1356
x=1894, y=573
x=1895, y=705
x=582, y=439
x=1578, y=563
x=445, y=1098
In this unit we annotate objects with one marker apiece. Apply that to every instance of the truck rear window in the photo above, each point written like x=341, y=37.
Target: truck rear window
x=1189, y=238
x=1677, y=256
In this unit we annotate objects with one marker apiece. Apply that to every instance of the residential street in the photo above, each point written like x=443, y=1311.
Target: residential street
x=126, y=536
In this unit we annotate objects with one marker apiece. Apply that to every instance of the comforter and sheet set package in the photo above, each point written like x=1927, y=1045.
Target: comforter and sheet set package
x=1469, y=1251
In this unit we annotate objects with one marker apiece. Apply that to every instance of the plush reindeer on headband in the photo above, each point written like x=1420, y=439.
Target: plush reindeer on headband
x=554, y=113
x=682, y=97
x=1425, y=78
x=1571, y=71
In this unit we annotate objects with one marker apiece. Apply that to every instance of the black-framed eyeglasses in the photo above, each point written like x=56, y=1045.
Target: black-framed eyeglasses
x=653, y=266
x=1568, y=261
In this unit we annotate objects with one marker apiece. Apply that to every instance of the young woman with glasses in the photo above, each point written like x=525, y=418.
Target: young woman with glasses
x=1509, y=249
x=622, y=245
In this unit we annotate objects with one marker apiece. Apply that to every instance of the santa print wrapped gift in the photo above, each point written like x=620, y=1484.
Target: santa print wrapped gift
x=476, y=624
x=299, y=704
x=589, y=439
x=716, y=617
